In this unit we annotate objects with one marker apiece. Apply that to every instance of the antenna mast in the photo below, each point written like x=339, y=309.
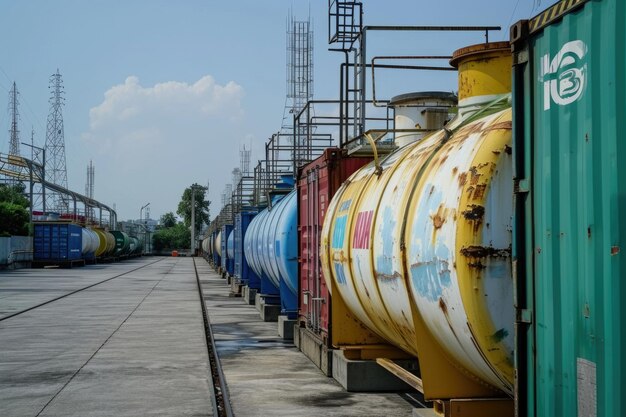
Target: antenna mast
x=89, y=187
x=299, y=81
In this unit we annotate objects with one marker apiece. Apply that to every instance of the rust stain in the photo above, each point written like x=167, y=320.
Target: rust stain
x=438, y=221
x=484, y=252
x=505, y=125
x=439, y=218
x=467, y=130
x=418, y=264
x=455, y=170
x=388, y=277
x=462, y=179
x=614, y=250
x=475, y=176
x=476, y=265
x=475, y=212
x=443, y=306
x=479, y=192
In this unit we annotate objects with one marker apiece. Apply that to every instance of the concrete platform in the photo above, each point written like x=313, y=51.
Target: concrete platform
x=268, y=312
x=268, y=376
x=314, y=349
x=364, y=375
x=133, y=346
x=285, y=327
x=249, y=295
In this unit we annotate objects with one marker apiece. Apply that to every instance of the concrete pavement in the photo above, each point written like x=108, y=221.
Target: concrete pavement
x=133, y=346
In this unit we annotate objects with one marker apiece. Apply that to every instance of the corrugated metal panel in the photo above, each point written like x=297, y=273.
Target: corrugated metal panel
x=317, y=184
x=57, y=241
x=570, y=223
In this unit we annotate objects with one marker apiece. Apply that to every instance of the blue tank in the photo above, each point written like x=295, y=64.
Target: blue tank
x=230, y=246
x=228, y=263
x=243, y=271
x=271, y=244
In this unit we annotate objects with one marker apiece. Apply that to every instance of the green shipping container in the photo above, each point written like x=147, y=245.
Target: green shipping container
x=569, y=92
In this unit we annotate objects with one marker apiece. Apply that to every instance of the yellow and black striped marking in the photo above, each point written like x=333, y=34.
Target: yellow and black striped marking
x=553, y=13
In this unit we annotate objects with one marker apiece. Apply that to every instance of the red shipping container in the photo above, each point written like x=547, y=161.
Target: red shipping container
x=317, y=183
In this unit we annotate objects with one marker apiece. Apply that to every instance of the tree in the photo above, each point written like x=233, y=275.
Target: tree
x=168, y=220
x=202, y=207
x=14, y=212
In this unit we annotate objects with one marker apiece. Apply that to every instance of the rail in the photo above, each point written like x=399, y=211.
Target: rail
x=220, y=397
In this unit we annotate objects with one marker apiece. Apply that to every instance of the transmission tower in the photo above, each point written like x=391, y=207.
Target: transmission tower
x=56, y=169
x=299, y=79
x=14, y=138
x=14, y=132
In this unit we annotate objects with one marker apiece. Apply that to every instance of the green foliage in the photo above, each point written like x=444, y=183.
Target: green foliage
x=202, y=207
x=175, y=237
x=168, y=220
x=14, y=213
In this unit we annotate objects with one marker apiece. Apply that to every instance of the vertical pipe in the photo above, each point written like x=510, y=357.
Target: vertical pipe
x=362, y=73
x=316, y=241
x=31, y=191
x=43, y=180
x=341, y=104
x=193, y=220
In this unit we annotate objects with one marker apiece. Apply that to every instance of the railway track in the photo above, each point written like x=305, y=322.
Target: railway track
x=219, y=397
x=26, y=310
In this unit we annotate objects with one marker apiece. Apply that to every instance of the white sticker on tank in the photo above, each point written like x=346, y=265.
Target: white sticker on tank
x=587, y=388
x=564, y=77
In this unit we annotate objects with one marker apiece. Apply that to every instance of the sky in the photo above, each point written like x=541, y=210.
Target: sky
x=161, y=94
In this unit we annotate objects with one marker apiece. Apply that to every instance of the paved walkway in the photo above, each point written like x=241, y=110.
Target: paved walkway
x=269, y=377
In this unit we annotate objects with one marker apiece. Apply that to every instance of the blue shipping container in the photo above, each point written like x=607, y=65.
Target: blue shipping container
x=57, y=241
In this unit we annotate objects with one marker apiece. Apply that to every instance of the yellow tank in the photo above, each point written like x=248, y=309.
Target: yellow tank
x=102, y=243
x=106, y=244
x=420, y=252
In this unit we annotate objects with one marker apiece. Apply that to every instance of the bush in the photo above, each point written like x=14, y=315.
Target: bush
x=14, y=213
x=176, y=237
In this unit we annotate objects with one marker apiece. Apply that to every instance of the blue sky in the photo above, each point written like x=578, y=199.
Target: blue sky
x=161, y=94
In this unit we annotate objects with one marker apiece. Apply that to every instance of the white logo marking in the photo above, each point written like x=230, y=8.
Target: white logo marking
x=565, y=76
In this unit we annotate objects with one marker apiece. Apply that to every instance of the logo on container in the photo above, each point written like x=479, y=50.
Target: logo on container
x=564, y=77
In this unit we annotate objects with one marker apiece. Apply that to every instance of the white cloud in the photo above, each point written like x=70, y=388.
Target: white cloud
x=149, y=143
